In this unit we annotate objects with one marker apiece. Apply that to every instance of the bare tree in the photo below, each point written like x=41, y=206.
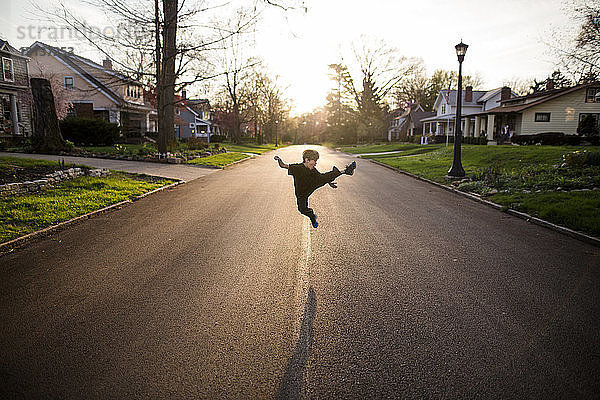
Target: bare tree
x=381, y=69
x=177, y=34
x=580, y=55
x=46, y=132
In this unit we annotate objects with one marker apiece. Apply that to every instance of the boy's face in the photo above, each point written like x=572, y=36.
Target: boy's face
x=310, y=164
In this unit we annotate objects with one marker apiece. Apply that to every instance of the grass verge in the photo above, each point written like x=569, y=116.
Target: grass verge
x=379, y=148
x=218, y=160
x=250, y=148
x=23, y=214
x=531, y=179
x=558, y=208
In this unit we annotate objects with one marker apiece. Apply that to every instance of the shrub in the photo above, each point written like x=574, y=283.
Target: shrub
x=474, y=140
x=89, y=131
x=217, y=138
x=572, y=140
x=525, y=139
x=146, y=150
x=588, y=126
x=442, y=139
x=592, y=158
x=552, y=138
x=195, y=144
x=575, y=159
x=548, y=138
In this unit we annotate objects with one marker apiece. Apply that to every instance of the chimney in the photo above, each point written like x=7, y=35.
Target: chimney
x=549, y=84
x=183, y=94
x=469, y=94
x=107, y=64
x=505, y=93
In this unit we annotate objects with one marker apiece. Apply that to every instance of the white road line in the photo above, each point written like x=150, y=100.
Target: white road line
x=303, y=274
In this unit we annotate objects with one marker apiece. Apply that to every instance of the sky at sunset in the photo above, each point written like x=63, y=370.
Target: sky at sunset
x=507, y=39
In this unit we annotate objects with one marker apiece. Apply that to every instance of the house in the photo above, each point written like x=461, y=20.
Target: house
x=97, y=91
x=193, y=118
x=408, y=122
x=15, y=94
x=552, y=110
x=473, y=103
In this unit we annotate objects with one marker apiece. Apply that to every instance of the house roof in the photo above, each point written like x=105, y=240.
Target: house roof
x=477, y=95
x=418, y=116
x=7, y=48
x=510, y=106
x=444, y=117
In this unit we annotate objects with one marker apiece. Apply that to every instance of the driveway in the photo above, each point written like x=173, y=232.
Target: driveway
x=173, y=171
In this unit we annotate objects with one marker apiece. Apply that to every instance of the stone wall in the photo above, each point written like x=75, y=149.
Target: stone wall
x=11, y=189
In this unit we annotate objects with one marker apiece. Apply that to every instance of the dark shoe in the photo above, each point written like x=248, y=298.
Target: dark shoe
x=350, y=168
x=314, y=222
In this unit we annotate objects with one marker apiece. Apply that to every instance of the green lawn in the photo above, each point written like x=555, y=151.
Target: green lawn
x=250, y=147
x=11, y=162
x=558, y=207
x=218, y=160
x=532, y=179
x=379, y=148
x=23, y=214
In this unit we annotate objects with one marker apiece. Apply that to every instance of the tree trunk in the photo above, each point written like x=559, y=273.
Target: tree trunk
x=237, y=125
x=46, y=132
x=166, y=110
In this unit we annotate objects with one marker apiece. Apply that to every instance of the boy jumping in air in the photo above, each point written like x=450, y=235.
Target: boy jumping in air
x=307, y=179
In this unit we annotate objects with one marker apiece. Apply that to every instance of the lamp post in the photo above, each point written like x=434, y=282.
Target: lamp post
x=457, y=169
x=276, y=123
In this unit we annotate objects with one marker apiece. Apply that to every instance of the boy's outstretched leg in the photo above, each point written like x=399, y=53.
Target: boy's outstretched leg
x=349, y=170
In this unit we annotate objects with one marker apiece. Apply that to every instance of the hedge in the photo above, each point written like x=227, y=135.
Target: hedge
x=89, y=131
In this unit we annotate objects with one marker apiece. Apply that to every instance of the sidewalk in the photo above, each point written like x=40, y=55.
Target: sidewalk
x=182, y=172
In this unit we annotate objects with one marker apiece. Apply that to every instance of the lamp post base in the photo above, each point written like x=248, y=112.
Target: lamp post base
x=456, y=171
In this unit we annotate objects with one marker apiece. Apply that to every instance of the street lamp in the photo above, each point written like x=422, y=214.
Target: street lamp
x=276, y=123
x=457, y=169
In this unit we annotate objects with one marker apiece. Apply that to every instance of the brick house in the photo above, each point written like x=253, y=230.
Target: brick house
x=15, y=94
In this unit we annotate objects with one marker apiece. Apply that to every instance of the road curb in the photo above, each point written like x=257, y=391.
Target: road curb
x=529, y=218
x=21, y=241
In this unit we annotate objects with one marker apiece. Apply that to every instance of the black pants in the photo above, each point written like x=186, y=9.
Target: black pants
x=321, y=180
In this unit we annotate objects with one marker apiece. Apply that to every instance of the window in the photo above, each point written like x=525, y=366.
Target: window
x=69, y=83
x=443, y=109
x=134, y=91
x=7, y=70
x=542, y=117
x=592, y=95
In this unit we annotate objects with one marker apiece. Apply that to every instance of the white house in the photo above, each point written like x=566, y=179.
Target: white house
x=551, y=110
x=473, y=103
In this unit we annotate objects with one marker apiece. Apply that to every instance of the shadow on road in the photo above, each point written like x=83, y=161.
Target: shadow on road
x=291, y=385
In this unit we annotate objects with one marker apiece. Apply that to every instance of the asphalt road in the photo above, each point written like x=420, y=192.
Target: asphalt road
x=219, y=288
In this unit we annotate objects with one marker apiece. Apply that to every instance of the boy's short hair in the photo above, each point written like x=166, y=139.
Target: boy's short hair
x=310, y=155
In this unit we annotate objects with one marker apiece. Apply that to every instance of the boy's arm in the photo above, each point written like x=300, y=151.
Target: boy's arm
x=281, y=163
